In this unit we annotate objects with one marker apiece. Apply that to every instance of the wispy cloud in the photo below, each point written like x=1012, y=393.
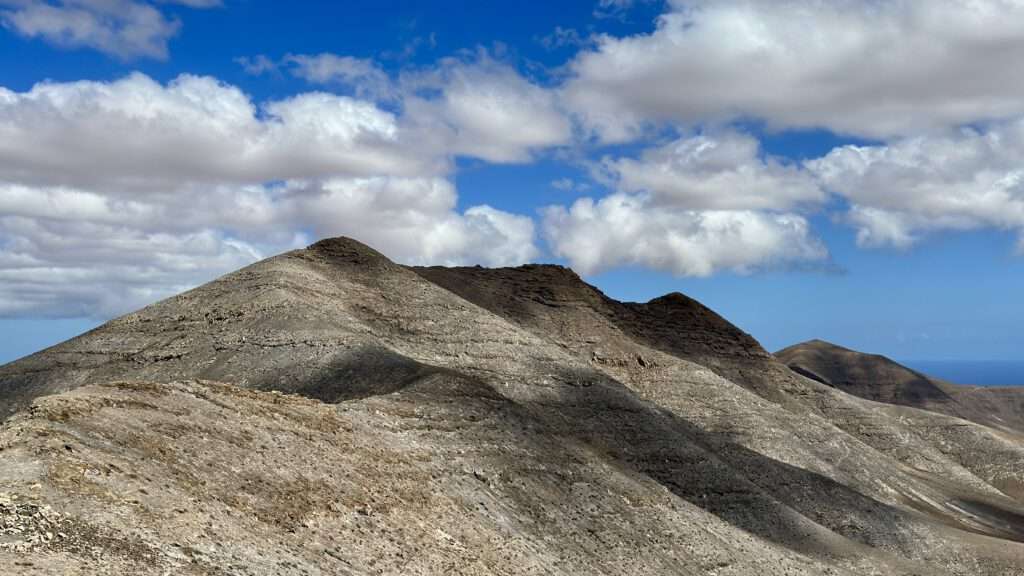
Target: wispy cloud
x=257, y=65
x=564, y=38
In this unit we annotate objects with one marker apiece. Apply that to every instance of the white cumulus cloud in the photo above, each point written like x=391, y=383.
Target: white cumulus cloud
x=715, y=172
x=413, y=220
x=486, y=109
x=627, y=230
x=960, y=180
x=879, y=69
x=113, y=194
x=473, y=106
x=135, y=132
x=692, y=207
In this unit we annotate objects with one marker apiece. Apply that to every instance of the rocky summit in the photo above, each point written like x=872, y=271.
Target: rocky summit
x=328, y=411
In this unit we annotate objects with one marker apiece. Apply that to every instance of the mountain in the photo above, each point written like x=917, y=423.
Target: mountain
x=878, y=378
x=327, y=411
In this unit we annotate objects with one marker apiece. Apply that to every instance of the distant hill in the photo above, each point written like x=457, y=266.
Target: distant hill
x=880, y=379
x=327, y=411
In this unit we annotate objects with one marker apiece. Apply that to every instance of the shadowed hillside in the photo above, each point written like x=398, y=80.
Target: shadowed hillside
x=327, y=411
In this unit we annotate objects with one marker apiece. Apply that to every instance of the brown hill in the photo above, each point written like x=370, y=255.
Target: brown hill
x=473, y=421
x=878, y=378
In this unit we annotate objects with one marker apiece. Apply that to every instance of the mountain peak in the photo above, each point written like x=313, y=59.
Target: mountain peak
x=676, y=299
x=869, y=376
x=340, y=242
x=814, y=344
x=348, y=250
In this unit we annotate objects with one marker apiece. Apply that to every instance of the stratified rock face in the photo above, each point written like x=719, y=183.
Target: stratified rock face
x=327, y=411
x=878, y=378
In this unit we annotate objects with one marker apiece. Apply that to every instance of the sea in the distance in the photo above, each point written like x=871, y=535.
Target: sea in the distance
x=988, y=373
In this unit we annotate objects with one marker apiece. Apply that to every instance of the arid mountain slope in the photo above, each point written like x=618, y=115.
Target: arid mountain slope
x=878, y=378
x=473, y=421
x=614, y=337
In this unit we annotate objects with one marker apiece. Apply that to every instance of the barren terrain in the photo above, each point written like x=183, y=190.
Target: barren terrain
x=327, y=411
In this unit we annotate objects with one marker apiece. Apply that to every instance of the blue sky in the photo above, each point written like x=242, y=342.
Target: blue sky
x=850, y=171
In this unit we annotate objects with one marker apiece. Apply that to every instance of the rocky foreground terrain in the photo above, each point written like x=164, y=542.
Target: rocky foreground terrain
x=327, y=411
